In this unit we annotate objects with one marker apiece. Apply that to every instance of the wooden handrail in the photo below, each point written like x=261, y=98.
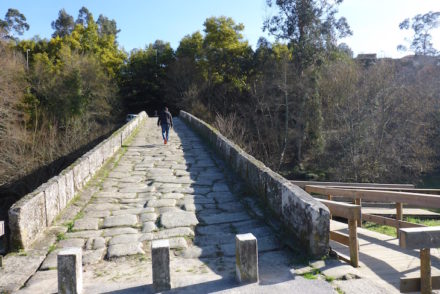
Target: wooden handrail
x=302, y=184
x=411, y=190
x=352, y=213
x=423, y=239
x=423, y=200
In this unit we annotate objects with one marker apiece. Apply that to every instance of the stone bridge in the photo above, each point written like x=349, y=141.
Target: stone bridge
x=199, y=191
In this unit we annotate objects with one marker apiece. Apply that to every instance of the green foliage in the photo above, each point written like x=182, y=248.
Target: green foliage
x=423, y=221
x=225, y=52
x=142, y=80
x=386, y=230
x=312, y=275
x=309, y=26
x=14, y=22
x=67, y=97
x=63, y=25
x=422, y=25
x=61, y=236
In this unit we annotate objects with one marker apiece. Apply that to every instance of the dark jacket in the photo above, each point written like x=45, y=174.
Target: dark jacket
x=165, y=119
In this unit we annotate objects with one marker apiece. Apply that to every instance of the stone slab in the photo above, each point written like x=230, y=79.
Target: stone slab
x=74, y=242
x=94, y=256
x=224, y=218
x=119, y=250
x=174, y=232
x=120, y=220
x=178, y=219
x=119, y=231
x=86, y=224
x=124, y=239
x=161, y=203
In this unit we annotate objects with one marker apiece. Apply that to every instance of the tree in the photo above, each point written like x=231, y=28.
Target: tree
x=143, y=79
x=422, y=25
x=225, y=64
x=83, y=16
x=106, y=26
x=14, y=22
x=311, y=29
x=309, y=26
x=63, y=25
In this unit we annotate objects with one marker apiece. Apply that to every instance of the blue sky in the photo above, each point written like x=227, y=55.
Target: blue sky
x=374, y=22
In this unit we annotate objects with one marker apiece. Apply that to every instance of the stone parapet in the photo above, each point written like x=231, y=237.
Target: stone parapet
x=306, y=219
x=30, y=216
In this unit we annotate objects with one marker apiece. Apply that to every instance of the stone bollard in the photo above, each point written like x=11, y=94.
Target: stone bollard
x=160, y=255
x=246, y=258
x=70, y=271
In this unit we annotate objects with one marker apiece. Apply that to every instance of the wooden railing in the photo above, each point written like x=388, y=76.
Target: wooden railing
x=399, y=198
x=423, y=239
x=351, y=213
x=302, y=184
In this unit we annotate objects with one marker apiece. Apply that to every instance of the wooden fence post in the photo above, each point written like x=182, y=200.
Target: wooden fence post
x=399, y=217
x=358, y=201
x=354, y=244
x=425, y=271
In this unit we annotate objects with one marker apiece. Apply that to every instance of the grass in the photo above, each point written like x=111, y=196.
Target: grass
x=61, y=236
x=52, y=248
x=70, y=224
x=329, y=279
x=386, y=230
x=391, y=231
x=426, y=222
x=312, y=275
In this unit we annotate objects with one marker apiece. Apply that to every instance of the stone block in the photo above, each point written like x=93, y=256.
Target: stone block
x=95, y=158
x=246, y=258
x=27, y=219
x=81, y=172
x=52, y=200
x=70, y=184
x=62, y=194
x=70, y=271
x=160, y=255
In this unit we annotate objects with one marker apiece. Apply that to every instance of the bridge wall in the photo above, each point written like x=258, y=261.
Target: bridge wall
x=31, y=215
x=307, y=219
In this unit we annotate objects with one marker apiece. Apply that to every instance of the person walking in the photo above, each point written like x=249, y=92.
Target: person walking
x=165, y=120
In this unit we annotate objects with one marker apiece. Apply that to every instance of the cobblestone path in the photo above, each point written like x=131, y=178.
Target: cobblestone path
x=182, y=192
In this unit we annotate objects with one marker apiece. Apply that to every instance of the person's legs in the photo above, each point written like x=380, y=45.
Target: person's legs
x=167, y=131
x=164, y=132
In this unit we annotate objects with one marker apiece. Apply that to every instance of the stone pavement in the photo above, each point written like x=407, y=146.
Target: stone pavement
x=182, y=192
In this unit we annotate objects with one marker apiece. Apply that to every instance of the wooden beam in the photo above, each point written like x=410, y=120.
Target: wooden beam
x=358, y=201
x=399, y=216
x=386, y=221
x=302, y=184
x=417, y=238
x=425, y=271
x=348, y=211
x=340, y=238
x=413, y=284
x=413, y=190
x=422, y=200
x=354, y=243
